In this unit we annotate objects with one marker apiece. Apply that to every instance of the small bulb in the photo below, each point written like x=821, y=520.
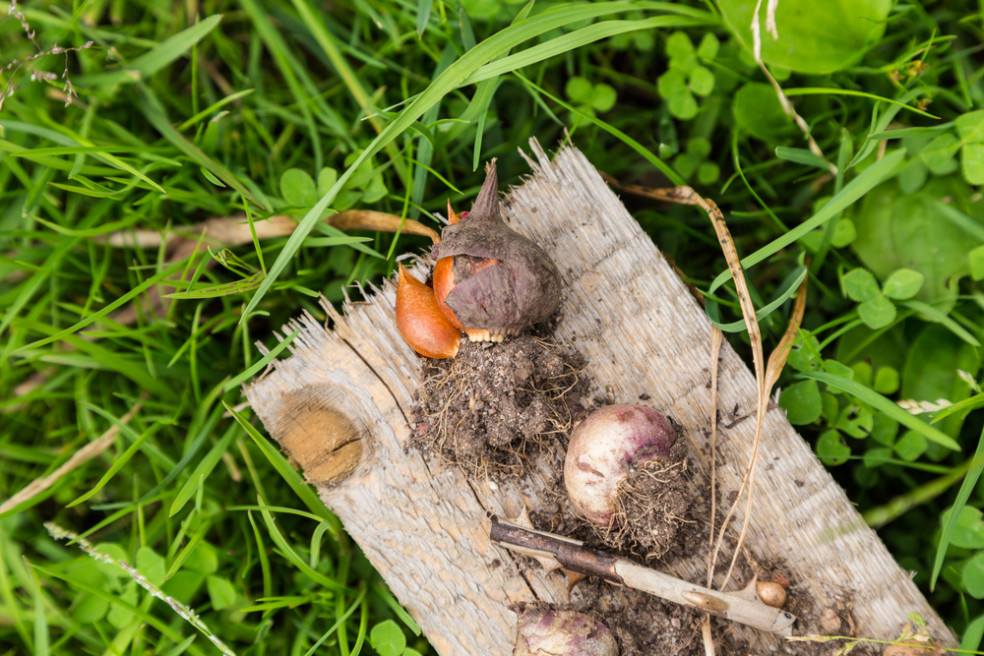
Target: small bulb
x=771, y=593
x=494, y=280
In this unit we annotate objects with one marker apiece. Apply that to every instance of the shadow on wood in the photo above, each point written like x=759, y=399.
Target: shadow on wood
x=340, y=405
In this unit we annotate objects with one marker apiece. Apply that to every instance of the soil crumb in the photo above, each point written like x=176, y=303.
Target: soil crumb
x=494, y=406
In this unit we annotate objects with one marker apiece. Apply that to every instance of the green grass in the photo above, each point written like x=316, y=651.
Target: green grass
x=182, y=118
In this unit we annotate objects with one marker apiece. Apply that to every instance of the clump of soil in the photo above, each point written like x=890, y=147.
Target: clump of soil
x=495, y=405
x=652, y=505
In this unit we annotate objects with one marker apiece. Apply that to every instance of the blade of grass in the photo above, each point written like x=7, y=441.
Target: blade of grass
x=660, y=165
x=362, y=97
x=119, y=461
x=967, y=405
x=268, y=603
x=257, y=366
x=301, y=88
x=220, y=290
x=262, y=555
x=423, y=16
x=478, y=110
x=214, y=107
x=820, y=91
x=102, y=358
x=27, y=290
x=766, y=310
x=880, y=123
x=342, y=240
x=152, y=109
x=425, y=149
x=902, y=133
x=97, y=148
x=339, y=621
x=119, y=302
x=973, y=474
x=879, y=516
x=107, y=158
x=206, y=418
x=940, y=317
x=8, y=591
x=883, y=405
x=86, y=233
x=155, y=59
x=850, y=194
x=959, y=219
x=290, y=475
x=201, y=472
x=583, y=36
x=295, y=559
x=801, y=156
x=397, y=609
x=42, y=638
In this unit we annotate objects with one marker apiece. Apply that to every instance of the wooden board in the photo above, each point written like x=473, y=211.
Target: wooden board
x=340, y=405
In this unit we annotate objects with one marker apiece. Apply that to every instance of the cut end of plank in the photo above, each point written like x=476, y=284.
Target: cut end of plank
x=318, y=437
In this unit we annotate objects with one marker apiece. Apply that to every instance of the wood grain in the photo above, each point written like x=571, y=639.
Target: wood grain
x=643, y=334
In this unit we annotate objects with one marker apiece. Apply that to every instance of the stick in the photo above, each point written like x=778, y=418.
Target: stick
x=574, y=556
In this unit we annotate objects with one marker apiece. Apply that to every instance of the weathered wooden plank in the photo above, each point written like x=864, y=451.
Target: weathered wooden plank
x=348, y=391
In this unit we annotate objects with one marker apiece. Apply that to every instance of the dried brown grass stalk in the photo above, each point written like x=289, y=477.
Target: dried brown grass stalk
x=773, y=30
x=83, y=455
x=766, y=375
x=236, y=230
x=717, y=337
x=226, y=231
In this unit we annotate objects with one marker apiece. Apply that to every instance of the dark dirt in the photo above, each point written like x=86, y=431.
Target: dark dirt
x=496, y=408
x=645, y=625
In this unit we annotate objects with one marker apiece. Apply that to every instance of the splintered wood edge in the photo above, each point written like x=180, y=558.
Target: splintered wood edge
x=424, y=527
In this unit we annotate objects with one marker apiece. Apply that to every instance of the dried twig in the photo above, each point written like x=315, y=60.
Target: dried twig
x=765, y=375
x=717, y=337
x=777, y=360
x=705, y=631
x=687, y=196
x=235, y=230
x=742, y=607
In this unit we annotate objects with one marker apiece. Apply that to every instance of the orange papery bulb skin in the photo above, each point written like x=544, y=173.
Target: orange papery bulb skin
x=443, y=282
x=452, y=217
x=420, y=320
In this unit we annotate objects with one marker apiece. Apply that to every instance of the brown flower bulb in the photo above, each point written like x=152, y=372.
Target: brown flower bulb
x=490, y=279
